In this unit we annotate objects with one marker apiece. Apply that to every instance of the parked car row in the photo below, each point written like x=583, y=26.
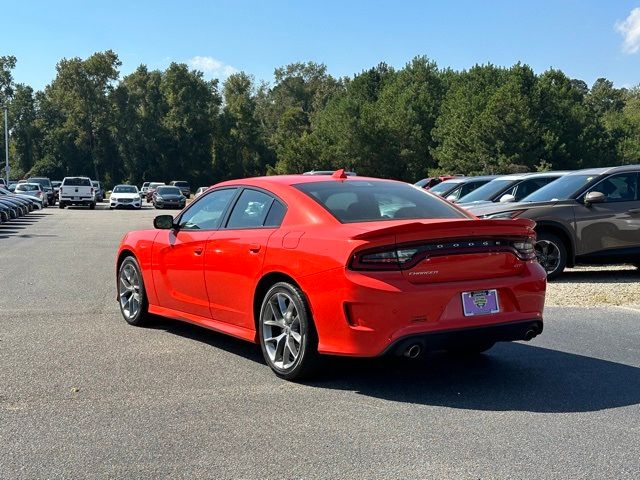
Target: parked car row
x=587, y=216
x=17, y=204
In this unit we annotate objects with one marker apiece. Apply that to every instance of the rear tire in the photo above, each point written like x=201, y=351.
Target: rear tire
x=61, y=205
x=287, y=335
x=92, y=206
x=552, y=254
x=132, y=296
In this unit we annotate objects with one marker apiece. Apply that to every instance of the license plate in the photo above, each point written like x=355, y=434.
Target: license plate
x=481, y=302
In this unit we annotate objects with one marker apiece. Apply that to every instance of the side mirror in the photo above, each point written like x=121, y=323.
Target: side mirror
x=508, y=198
x=163, y=222
x=594, y=197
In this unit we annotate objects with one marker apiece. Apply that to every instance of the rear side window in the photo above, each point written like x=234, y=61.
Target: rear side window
x=370, y=201
x=76, y=182
x=251, y=209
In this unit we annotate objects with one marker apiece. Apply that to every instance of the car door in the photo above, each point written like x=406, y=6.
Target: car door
x=235, y=254
x=613, y=224
x=179, y=254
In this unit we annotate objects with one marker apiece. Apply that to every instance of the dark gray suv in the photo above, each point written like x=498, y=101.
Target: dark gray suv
x=586, y=217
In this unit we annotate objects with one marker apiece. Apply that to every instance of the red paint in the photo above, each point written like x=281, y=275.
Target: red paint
x=209, y=277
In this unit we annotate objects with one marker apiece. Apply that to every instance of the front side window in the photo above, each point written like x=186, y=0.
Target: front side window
x=619, y=188
x=251, y=209
x=369, y=201
x=527, y=187
x=207, y=212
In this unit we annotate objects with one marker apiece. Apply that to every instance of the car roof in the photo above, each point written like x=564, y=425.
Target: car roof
x=521, y=176
x=299, y=179
x=606, y=170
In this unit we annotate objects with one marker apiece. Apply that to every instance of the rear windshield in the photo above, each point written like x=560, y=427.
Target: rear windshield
x=95, y=184
x=370, y=201
x=76, y=182
x=169, y=191
x=28, y=187
x=125, y=189
x=155, y=184
x=181, y=184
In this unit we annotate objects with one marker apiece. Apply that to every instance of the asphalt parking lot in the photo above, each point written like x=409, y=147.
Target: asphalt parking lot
x=84, y=395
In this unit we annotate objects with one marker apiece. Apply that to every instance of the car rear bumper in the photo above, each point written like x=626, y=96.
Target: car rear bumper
x=365, y=315
x=442, y=340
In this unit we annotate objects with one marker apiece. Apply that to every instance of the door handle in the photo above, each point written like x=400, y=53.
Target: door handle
x=198, y=250
x=254, y=248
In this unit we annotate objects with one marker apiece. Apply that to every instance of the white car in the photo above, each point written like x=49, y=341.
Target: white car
x=200, y=191
x=125, y=196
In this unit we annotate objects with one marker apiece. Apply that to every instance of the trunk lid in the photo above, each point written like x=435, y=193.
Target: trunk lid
x=452, y=250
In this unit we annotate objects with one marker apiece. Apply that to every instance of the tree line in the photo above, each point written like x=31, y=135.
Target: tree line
x=397, y=123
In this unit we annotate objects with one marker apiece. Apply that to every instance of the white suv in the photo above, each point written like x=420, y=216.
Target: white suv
x=77, y=191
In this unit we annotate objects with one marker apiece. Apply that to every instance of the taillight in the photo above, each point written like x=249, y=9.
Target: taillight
x=525, y=248
x=403, y=257
x=388, y=259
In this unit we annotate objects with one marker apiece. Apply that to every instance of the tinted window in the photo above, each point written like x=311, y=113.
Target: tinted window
x=181, y=184
x=619, y=188
x=563, y=188
x=275, y=215
x=527, y=187
x=206, y=213
x=443, y=188
x=469, y=187
x=250, y=210
x=169, y=191
x=366, y=201
x=487, y=191
x=125, y=189
x=76, y=182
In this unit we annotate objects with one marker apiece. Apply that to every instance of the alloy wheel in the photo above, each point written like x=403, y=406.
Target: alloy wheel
x=548, y=254
x=129, y=291
x=281, y=331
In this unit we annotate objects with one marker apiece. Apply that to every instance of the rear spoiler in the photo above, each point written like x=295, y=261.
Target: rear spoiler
x=455, y=228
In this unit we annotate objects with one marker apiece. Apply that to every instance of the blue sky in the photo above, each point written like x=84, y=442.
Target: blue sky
x=585, y=39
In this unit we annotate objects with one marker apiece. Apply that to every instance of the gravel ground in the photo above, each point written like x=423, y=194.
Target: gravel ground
x=606, y=285
x=84, y=395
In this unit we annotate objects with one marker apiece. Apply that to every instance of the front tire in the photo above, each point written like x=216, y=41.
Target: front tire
x=92, y=206
x=132, y=296
x=552, y=254
x=287, y=335
x=61, y=205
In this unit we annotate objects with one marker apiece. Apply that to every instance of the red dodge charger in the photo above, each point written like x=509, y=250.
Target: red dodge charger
x=310, y=265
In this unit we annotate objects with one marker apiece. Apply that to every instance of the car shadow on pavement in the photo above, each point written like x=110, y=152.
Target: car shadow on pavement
x=224, y=342
x=510, y=377
x=632, y=275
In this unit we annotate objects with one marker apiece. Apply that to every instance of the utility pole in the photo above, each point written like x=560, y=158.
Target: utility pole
x=6, y=144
